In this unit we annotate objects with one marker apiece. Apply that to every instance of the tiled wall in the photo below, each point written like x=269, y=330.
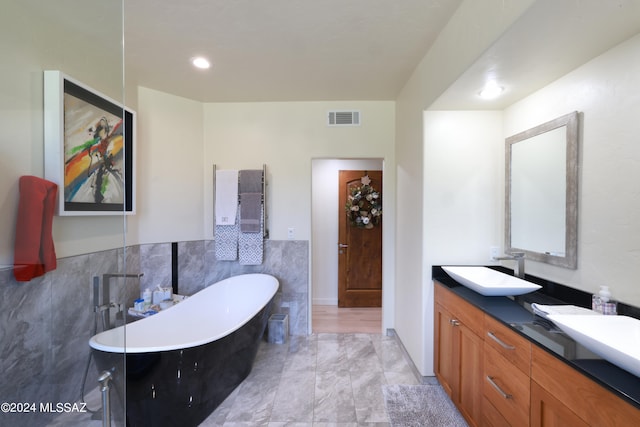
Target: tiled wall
x=45, y=324
x=287, y=260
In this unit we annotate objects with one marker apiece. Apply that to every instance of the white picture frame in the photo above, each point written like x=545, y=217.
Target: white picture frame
x=89, y=148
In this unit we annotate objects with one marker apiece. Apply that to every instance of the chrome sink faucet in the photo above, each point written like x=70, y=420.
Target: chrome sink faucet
x=519, y=258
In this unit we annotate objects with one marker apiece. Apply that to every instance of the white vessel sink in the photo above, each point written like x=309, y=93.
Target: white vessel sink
x=489, y=282
x=614, y=338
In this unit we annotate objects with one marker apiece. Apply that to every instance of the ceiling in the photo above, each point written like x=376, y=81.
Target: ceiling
x=551, y=39
x=280, y=50
x=317, y=50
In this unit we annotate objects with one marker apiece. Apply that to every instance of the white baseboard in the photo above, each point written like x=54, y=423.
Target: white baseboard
x=431, y=380
x=325, y=301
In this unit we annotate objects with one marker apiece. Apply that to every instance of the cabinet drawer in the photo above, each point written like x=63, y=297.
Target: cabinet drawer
x=513, y=347
x=506, y=387
x=584, y=397
x=459, y=308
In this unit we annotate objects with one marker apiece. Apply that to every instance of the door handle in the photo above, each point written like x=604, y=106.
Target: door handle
x=342, y=245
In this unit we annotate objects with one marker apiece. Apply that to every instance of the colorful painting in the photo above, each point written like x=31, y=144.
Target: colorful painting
x=88, y=148
x=93, y=154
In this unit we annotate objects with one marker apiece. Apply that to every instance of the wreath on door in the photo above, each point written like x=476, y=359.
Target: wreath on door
x=364, y=205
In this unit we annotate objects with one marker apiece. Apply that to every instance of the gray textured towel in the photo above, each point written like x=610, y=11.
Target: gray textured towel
x=250, y=181
x=250, y=212
x=250, y=249
x=226, y=242
x=251, y=245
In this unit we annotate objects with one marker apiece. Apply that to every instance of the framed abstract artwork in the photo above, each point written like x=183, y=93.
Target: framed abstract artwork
x=89, y=144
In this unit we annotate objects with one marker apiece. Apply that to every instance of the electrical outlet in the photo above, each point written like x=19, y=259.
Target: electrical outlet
x=291, y=233
x=494, y=252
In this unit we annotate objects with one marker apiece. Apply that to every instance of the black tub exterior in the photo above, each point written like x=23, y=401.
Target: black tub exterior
x=182, y=387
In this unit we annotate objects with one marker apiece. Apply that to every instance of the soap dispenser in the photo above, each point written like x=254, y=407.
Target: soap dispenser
x=602, y=302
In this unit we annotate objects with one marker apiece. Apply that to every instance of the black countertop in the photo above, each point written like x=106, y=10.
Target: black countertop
x=516, y=313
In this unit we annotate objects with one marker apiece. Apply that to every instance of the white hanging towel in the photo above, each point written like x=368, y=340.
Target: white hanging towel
x=226, y=197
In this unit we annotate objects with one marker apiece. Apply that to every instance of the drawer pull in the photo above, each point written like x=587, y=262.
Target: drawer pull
x=499, y=341
x=454, y=322
x=497, y=387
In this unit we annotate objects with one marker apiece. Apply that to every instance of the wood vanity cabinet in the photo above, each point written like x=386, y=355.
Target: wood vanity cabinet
x=498, y=378
x=458, y=355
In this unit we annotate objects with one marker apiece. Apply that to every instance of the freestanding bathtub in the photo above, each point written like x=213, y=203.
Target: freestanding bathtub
x=183, y=362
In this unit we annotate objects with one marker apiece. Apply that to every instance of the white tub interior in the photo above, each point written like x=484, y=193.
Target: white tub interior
x=206, y=316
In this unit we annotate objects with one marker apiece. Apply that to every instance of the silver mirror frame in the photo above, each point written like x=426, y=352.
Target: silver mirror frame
x=570, y=258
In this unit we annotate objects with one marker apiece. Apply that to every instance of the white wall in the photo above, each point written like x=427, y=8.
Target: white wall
x=286, y=136
x=464, y=176
x=605, y=92
x=324, y=223
x=463, y=186
x=33, y=40
x=472, y=29
x=170, y=196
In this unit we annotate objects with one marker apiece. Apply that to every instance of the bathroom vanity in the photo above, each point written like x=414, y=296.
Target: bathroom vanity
x=504, y=366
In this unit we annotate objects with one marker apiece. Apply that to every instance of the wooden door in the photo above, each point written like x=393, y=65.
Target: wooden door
x=547, y=411
x=360, y=241
x=458, y=363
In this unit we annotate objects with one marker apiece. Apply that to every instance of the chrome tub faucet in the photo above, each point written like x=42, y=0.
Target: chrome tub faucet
x=102, y=300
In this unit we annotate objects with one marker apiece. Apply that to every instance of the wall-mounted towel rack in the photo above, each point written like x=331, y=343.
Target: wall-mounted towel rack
x=265, y=229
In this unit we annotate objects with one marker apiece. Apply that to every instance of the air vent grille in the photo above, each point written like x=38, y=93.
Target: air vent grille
x=343, y=118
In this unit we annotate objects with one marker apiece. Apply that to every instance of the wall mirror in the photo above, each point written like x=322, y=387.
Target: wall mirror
x=541, y=201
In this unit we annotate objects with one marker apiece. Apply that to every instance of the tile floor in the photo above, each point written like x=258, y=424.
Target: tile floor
x=322, y=380
x=318, y=380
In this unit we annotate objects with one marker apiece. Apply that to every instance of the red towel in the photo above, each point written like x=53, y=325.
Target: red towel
x=35, y=253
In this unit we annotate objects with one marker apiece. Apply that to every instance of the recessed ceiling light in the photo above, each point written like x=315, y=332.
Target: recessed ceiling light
x=200, y=62
x=491, y=90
